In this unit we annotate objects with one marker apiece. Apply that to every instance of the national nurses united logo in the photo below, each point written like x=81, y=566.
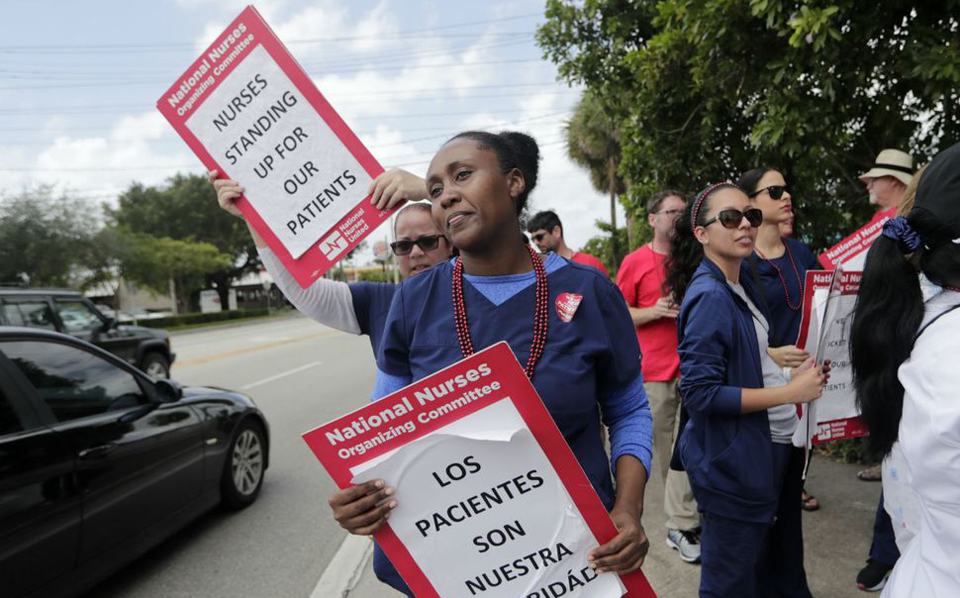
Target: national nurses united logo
x=567, y=304
x=333, y=245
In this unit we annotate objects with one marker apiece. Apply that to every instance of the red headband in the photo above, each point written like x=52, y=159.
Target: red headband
x=703, y=195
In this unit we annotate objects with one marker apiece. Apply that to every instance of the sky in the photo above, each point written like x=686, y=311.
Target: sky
x=79, y=83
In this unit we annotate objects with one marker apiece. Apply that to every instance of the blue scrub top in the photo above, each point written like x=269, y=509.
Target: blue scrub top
x=371, y=304
x=590, y=366
x=589, y=363
x=785, y=321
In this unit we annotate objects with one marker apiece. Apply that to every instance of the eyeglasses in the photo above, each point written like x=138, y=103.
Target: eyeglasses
x=538, y=237
x=776, y=191
x=670, y=213
x=731, y=218
x=425, y=243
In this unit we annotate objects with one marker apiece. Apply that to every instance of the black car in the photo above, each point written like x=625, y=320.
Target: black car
x=71, y=313
x=98, y=462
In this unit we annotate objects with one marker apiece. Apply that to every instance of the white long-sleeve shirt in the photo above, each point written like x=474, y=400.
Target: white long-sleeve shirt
x=329, y=302
x=929, y=438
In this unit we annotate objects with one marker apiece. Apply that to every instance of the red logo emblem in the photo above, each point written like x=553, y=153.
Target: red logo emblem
x=567, y=304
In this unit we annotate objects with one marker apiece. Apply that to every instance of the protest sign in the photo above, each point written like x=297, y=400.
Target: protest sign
x=491, y=501
x=247, y=109
x=851, y=252
x=828, y=304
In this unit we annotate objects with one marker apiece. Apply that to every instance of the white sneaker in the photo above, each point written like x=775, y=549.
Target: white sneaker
x=686, y=543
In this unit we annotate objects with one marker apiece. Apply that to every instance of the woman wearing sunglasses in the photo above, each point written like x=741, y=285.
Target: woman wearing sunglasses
x=779, y=266
x=726, y=446
x=567, y=322
x=357, y=308
x=781, y=262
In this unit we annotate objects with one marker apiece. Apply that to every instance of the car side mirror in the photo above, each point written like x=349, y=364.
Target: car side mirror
x=109, y=323
x=168, y=391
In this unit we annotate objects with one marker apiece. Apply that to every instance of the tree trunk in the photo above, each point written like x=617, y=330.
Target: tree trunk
x=222, y=283
x=612, y=181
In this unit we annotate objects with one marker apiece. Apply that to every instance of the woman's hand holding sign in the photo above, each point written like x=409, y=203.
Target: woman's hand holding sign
x=396, y=186
x=625, y=552
x=228, y=192
x=807, y=381
x=788, y=356
x=364, y=508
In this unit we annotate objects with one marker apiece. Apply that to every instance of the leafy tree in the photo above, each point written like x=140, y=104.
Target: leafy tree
x=602, y=246
x=185, y=209
x=593, y=141
x=813, y=88
x=153, y=262
x=46, y=239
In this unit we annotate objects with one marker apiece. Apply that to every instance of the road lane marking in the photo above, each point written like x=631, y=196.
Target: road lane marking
x=200, y=360
x=345, y=569
x=278, y=376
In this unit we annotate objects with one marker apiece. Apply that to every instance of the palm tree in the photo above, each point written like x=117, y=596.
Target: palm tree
x=593, y=142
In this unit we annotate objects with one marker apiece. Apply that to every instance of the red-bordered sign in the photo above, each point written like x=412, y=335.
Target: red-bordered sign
x=852, y=251
x=488, y=385
x=248, y=110
x=834, y=415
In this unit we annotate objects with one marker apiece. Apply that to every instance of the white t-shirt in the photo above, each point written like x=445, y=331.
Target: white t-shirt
x=929, y=444
x=783, y=418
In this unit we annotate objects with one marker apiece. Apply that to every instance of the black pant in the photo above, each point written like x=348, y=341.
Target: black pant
x=780, y=572
x=883, y=548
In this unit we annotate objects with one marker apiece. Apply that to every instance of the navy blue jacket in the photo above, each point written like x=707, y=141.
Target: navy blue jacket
x=728, y=456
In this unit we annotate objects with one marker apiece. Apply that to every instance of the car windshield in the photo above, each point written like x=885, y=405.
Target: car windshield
x=77, y=316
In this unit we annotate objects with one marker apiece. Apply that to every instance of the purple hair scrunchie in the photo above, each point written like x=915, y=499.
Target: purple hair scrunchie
x=899, y=229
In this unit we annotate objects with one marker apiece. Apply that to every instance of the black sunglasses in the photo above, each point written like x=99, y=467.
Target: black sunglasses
x=776, y=191
x=537, y=237
x=425, y=243
x=731, y=218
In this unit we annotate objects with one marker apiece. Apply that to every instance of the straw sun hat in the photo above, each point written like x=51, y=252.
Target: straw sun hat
x=891, y=162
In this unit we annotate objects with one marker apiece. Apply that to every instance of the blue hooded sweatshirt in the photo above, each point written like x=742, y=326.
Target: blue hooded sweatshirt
x=728, y=455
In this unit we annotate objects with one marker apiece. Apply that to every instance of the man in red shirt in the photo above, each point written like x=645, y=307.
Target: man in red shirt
x=547, y=232
x=640, y=278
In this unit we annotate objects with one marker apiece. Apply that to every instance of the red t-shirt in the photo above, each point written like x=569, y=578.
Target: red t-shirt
x=640, y=280
x=588, y=260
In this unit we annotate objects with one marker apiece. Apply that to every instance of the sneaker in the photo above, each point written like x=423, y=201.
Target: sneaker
x=873, y=577
x=686, y=543
x=871, y=474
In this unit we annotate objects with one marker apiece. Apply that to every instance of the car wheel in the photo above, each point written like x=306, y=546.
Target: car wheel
x=156, y=366
x=244, y=468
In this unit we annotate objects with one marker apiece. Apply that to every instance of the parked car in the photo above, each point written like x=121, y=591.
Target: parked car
x=71, y=313
x=99, y=463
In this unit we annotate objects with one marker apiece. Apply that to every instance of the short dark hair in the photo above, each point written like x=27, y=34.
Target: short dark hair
x=546, y=220
x=653, y=206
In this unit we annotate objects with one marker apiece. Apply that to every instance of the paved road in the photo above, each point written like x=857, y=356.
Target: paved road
x=301, y=374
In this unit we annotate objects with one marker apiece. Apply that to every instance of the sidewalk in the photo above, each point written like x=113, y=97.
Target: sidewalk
x=837, y=538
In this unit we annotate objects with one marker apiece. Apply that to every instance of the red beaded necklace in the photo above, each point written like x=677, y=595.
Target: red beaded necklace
x=540, y=318
x=786, y=292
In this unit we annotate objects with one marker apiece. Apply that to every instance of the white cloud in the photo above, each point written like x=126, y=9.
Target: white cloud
x=108, y=163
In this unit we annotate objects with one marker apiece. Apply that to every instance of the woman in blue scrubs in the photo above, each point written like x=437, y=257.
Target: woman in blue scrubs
x=779, y=265
x=583, y=359
x=734, y=467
